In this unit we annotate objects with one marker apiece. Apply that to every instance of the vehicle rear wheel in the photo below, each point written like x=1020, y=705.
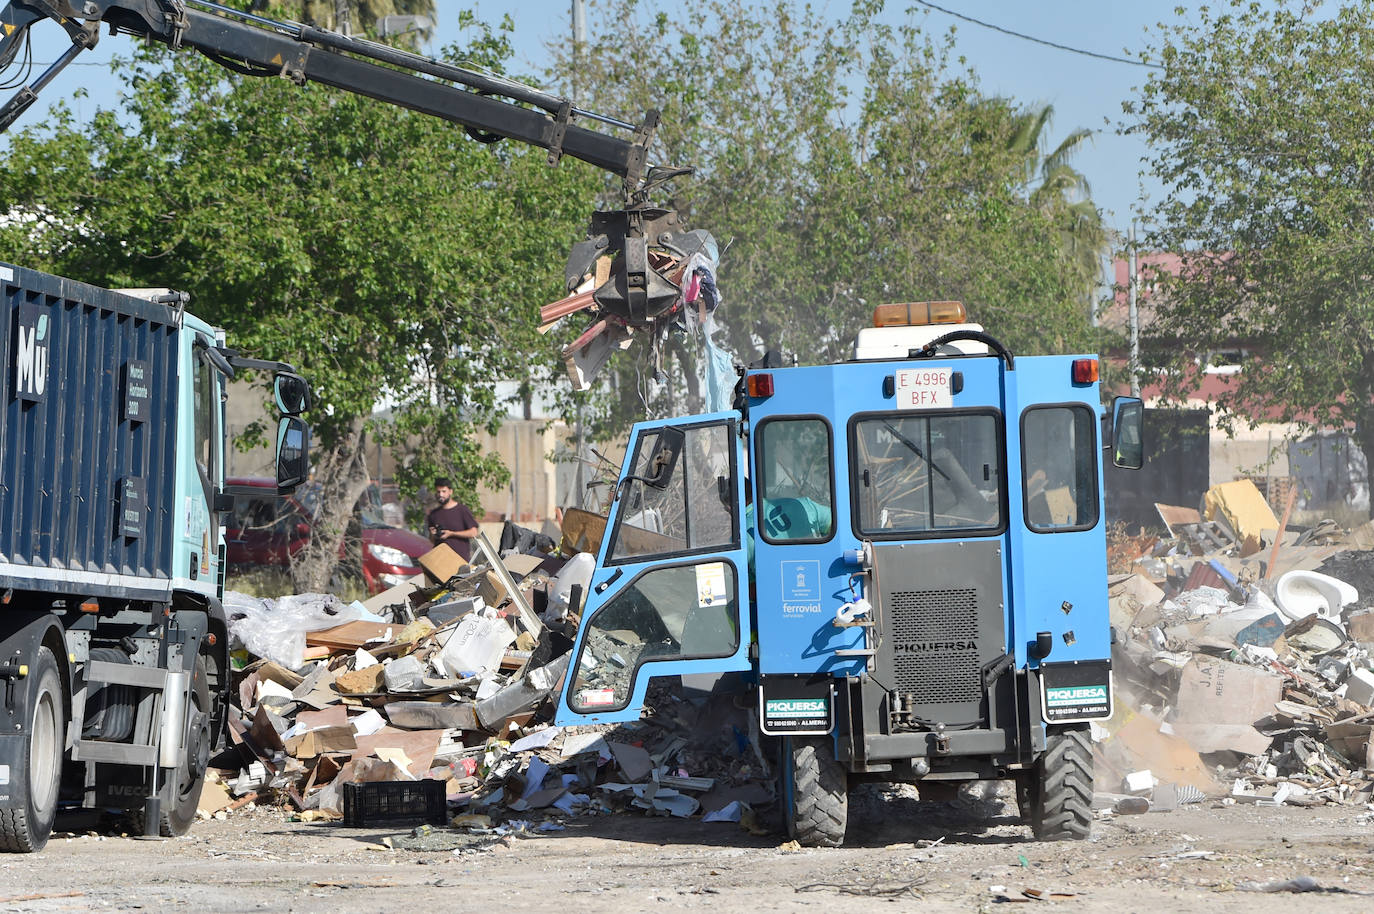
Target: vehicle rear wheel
x=1060, y=798
x=26, y=828
x=815, y=793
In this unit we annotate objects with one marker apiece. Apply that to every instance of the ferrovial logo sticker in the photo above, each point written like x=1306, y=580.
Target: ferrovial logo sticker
x=31, y=344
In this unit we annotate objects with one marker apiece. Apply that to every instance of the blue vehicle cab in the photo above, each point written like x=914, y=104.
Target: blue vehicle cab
x=904, y=552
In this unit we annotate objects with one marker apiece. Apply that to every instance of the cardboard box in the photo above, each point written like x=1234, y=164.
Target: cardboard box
x=492, y=590
x=521, y=564
x=393, y=595
x=1219, y=702
x=442, y=563
x=1361, y=628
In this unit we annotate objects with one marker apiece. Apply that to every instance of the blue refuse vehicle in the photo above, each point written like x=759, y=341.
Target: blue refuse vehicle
x=114, y=671
x=904, y=554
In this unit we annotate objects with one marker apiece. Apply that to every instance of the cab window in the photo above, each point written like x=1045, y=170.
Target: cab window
x=928, y=474
x=796, y=492
x=683, y=612
x=693, y=512
x=206, y=412
x=1059, y=463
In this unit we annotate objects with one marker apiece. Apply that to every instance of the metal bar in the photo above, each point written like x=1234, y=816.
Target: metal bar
x=142, y=677
x=26, y=96
x=90, y=750
x=223, y=37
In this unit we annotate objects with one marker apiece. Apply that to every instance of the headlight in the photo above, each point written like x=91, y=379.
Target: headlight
x=390, y=555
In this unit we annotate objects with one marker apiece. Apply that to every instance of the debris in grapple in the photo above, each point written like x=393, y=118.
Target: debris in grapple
x=637, y=272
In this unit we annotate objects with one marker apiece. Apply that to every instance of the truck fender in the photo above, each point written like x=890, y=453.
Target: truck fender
x=24, y=633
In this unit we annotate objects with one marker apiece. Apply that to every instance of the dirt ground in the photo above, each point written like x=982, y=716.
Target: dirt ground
x=900, y=853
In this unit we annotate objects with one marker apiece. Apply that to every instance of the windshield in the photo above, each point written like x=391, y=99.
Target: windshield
x=929, y=473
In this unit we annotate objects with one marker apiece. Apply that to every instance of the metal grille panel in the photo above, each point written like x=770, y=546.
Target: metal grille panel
x=943, y=627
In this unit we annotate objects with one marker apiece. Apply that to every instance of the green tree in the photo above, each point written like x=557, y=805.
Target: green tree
x=840, y=164
x=388, y=257
x=1259, y=122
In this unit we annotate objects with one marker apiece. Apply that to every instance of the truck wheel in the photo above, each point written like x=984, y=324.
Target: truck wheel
x=26, y=828
x=815, y=793
x=1060, y=799
x=181, y=792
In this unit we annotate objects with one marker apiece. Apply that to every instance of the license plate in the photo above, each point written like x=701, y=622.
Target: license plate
x=924, y=388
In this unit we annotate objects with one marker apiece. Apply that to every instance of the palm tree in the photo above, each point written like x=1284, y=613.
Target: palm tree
x=1062, y=192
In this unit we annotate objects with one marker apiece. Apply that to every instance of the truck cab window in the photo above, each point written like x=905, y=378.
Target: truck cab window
x=206, y=412
x=928, y=474
x=688, y=514
x=1059, y=462
x=796, y=487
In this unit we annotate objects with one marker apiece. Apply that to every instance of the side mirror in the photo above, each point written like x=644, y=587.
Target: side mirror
x=1128, y=441
x=293, y=453
x=659, y=470
x=291, y=392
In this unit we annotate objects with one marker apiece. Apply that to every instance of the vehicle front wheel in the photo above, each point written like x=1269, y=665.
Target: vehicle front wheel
x=815, y=793
x=181, y=791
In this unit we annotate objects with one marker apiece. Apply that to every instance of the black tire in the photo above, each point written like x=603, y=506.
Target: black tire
x=1061, y=797
x=815, y=793
x=181, y=791
x=26, y=829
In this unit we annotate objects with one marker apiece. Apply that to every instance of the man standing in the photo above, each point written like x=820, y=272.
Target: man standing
x=451, y=523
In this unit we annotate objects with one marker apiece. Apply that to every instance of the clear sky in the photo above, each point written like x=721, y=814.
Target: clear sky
x=1085, y=91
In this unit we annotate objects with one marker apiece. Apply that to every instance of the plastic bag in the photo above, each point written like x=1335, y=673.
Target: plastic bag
x=276, y=629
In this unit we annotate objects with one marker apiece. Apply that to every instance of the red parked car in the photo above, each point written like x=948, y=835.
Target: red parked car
x=266, y=529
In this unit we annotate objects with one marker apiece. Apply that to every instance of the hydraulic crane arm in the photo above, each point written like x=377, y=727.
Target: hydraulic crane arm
x=489, y=107
x=644, y=244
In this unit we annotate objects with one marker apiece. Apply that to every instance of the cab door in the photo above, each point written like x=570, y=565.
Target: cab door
x=667, y=594
x=1057, y=536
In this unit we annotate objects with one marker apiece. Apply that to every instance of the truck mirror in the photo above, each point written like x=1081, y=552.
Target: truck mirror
x=293, y=453
x=1128, y=442
x=292, y=393
x=659, y=470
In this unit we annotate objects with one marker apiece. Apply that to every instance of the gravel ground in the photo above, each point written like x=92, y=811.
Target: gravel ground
x=900, y=853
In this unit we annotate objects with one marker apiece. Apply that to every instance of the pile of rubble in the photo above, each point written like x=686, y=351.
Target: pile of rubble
x=1244, y=661
x=434, y=700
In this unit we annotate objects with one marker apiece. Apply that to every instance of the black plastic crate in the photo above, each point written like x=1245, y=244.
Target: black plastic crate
x=395, y=803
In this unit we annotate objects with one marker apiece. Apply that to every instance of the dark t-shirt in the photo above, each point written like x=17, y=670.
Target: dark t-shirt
x=456, y=518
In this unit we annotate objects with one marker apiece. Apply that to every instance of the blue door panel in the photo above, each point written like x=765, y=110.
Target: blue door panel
x=684, y=600
x=1058, y=578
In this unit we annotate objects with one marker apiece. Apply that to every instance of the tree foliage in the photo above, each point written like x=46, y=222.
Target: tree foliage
x=382, y=252
x=841, y=165
x=1259, y=122
x=362, y=14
